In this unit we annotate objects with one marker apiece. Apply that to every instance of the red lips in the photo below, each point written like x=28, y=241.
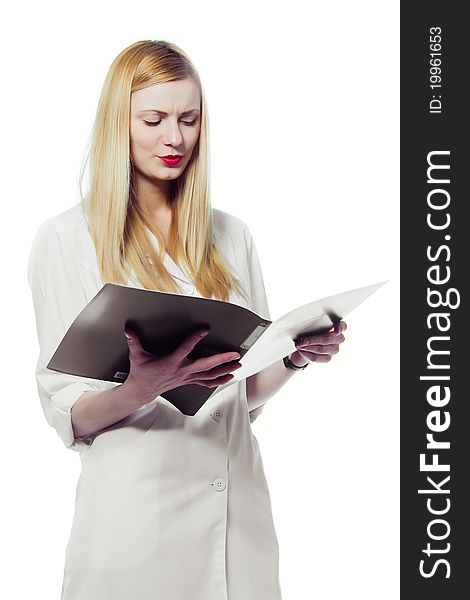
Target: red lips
x=171, y=159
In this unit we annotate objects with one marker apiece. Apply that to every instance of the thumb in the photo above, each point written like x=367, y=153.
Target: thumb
x=131, y=337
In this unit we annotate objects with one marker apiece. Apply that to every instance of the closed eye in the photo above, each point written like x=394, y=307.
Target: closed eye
x=154, y=123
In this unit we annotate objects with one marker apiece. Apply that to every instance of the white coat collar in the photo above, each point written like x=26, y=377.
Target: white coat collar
x=89, y=261
x=170, y=264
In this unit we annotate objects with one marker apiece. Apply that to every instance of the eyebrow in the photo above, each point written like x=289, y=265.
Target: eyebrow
x=161, y=112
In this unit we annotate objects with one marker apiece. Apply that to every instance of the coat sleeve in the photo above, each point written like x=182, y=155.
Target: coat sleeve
x=259, y=301
x=58, y=297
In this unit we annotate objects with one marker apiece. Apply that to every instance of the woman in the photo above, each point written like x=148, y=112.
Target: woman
x=167, y=505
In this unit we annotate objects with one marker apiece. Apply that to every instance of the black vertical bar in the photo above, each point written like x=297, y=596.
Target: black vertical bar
x=435, y=129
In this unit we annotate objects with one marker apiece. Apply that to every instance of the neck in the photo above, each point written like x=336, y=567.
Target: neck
x=153, y=197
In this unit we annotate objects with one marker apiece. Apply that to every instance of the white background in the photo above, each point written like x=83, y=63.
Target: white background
x=303, y=104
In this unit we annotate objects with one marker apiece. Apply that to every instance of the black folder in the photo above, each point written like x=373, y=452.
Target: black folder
x=95, y=347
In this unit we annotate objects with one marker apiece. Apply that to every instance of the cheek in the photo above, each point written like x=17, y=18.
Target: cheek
x=190, y=138
x=142, y=139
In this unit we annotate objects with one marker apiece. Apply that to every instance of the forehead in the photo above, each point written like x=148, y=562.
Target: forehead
x=170, y=96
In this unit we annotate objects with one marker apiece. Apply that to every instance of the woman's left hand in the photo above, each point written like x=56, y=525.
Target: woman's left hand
x=319, y=347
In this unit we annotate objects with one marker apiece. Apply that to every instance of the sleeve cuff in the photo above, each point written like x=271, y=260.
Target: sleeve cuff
x=61, y=404
x=254, y=414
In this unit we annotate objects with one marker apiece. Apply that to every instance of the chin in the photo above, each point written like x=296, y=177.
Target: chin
x=173, y=174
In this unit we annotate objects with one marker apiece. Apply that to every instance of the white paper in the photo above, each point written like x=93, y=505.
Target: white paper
x=278, y=340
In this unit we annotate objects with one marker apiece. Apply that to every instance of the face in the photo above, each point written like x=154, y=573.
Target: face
x=164, y=120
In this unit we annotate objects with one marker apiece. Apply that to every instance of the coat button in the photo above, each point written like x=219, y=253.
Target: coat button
x=217, y=414
x=219, y=484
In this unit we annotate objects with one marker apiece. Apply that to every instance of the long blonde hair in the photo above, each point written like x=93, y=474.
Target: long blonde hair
x=118, y=227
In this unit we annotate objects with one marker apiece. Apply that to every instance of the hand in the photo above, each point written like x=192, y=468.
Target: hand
x=319, y=347
x=151, y=375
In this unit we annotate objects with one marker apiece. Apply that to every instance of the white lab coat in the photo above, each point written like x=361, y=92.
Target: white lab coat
x=168, y=506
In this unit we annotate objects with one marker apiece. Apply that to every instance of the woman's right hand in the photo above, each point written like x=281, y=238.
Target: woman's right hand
x=151, y=375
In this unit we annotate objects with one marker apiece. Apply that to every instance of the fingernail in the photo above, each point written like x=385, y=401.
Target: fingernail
x=127, y=335
x=204, y=332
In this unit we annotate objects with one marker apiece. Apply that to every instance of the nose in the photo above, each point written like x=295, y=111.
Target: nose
x=172, y=134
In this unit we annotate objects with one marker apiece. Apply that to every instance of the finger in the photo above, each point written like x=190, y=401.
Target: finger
x=322, y=349
x=209, y=362
x=218, y=371
x=312, y=356
x=321, y=338
x=214, y=382
x=339, y=327
x=188, y=344
x=133, y=342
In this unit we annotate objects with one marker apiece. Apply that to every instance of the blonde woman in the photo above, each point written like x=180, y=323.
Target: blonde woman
x=167, y=505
